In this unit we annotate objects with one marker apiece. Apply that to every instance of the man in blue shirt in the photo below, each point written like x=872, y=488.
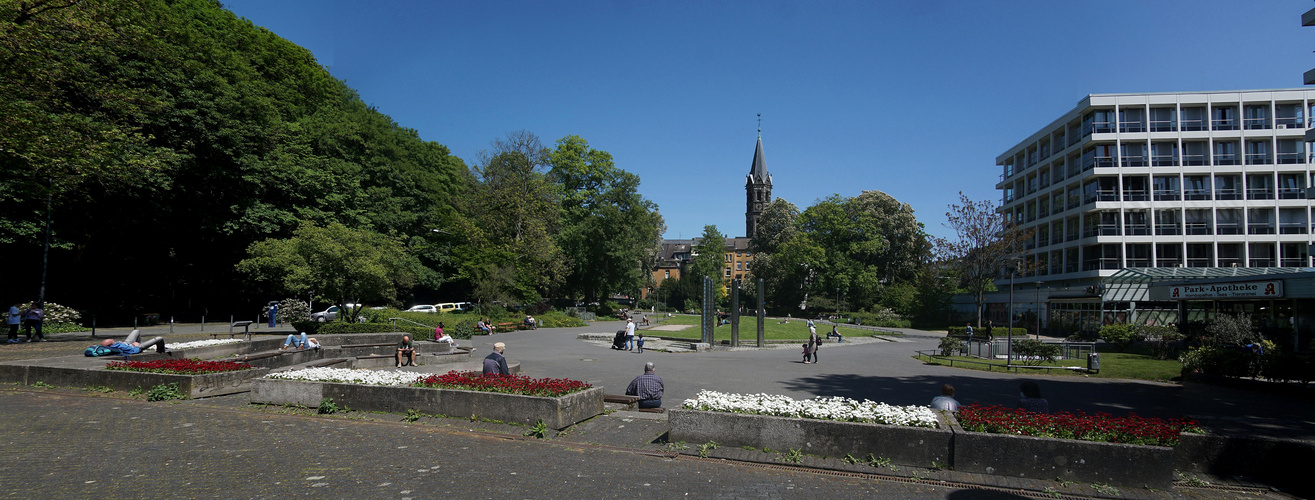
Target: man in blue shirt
x=495, y=363
x=648, y=387
x=14, y=319
x=130, y=345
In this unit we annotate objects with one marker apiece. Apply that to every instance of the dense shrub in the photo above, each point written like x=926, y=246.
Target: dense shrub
x=1120, y=334
x=55, y=313
x=1220, y=361
x=1229, y=330
x=1030, y=349
x=880, y=317
x=1163, y=339
x=951, y=345
x=293, y=310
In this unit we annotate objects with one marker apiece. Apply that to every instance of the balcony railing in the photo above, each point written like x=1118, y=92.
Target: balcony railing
x=1135, y=195
x=1292, y=228
x=1107, y=195
x=1228, y=194
x=1166, y=194
x=1139, y=262
x=1132, y=161
x=1097, y=128
x=1260, y=194
x=1290, y=158
x=1230, y=262
x=1228, y=228
x=1167, y=230
x=1196, y=194
x=1259, y=159
x=1225, y=159
x=1163, y=126
x=1136, y=126
x=1260, y=262
x=1260, y=229
x=1168, y=262
x=1288, y=122
x=1256, y=123
x=1104, y=162
x=1225, y=124
x=1098, y=264
x=1198, y=228
x=1198, y=262
x=1291, y=193
x=1192, y=125
x=1194, y=160
x=1164, y=160
x=1297, y=262
x=1136, y=229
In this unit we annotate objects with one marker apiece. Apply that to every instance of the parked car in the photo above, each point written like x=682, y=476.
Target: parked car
x=465, y=306
x=446, y=307
x=331, y=314
x=423, y=308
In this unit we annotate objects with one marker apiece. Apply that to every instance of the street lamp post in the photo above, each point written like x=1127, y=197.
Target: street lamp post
x=1038, y=309
x=1009, y=355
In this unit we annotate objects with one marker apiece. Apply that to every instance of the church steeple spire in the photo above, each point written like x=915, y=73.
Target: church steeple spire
x=758, y=189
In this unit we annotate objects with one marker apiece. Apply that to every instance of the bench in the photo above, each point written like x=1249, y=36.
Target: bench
x=506, y=327
x=615, y=398
x=246, y=329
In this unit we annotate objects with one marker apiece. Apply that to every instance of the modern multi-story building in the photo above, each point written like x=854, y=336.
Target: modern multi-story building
x=1160, y=180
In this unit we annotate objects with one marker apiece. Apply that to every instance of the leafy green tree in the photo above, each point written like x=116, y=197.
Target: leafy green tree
x=609, y=231
x=708, y=260
x=511, y=214
x=343, y=264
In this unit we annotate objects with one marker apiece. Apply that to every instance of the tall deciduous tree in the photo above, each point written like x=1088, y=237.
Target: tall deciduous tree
x=608, y=230
x=513, y=211
x=342, y=264
x=985, y=246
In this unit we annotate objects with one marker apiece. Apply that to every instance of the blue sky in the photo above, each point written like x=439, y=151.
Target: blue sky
x=915, y=99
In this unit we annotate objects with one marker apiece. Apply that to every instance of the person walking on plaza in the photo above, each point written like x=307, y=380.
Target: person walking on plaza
x=815, y=341
x=496, y=363
x=969, y=331
x=630, y=334
x=15, y=317
x=33, y=318
x=639, y=343
x=648, y=387
x=808, y=352
x=989, y=326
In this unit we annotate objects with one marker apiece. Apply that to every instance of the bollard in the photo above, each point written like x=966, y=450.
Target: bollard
x=230, y=326
x=93, y=327
x=134, y=323
x=203, y=323
x=171, y=324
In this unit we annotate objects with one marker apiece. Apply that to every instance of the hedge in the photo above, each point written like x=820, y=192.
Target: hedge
x=997, y=332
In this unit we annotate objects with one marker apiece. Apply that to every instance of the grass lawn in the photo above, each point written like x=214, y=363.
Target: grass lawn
x=1126, y=365
x=796, y=329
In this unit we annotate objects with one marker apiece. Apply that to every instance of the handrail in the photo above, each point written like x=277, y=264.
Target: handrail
x=394, y=320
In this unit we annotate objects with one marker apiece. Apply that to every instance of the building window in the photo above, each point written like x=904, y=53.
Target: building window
x=728, y=272
x=668, y=276
x=738, y=266
x=728, y=257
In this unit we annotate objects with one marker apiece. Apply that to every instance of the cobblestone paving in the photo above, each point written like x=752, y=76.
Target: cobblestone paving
x=73, y=446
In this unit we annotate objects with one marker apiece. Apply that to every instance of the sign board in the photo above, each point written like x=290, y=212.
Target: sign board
x=1246, y=290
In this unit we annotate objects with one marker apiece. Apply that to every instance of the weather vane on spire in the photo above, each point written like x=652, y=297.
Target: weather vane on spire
x=760, y=125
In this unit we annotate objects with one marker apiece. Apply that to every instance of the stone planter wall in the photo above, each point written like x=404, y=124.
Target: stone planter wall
x=913, y=446
x=1116, y=464
x=557, y=413
x=195, y=386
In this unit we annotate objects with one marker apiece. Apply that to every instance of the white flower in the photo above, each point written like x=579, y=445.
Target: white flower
x=823, y=408
x=201, y=343
x=348, y=376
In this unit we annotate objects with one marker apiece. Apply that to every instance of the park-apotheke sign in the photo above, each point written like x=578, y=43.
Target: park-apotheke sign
x=1250, y=289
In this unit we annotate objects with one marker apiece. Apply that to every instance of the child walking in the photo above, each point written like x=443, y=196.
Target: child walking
x=808, y=353
x=639, y=342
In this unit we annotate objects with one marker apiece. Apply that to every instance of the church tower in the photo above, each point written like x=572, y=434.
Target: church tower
x=758, y=189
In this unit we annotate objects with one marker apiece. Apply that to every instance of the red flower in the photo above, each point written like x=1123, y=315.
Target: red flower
x=1103, y=427
x=178, y=366
x=511, y=384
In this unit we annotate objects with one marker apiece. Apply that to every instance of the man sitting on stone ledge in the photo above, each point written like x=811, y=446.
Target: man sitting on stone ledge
x=130, y=345
x=495, y=363
x=648, y=387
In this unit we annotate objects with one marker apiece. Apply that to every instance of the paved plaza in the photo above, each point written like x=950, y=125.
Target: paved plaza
x=63, y=443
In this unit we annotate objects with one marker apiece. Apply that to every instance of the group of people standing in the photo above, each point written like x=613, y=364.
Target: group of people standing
x=31, y=317
x=815, y=342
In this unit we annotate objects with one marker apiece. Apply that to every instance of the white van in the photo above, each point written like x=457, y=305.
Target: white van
x=465, y=306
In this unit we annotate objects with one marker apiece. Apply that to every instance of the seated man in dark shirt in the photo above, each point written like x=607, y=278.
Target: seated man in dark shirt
x=406, y=349
x=495, y=363
x=648, y=387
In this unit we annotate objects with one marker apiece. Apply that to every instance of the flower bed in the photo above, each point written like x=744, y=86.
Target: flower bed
x=508, y=384
x=836, y=427
x=834, y=408
x=200, y=343
x=389, y=391
x=348, y=376
x=178, y=366
x=1101, y=427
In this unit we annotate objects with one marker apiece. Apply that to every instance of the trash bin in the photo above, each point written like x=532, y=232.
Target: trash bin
x=1093, y=362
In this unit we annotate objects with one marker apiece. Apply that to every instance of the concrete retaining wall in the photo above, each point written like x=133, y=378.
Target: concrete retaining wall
x=557, y=413
x=1275, y=461
x=1123, y=465
x=195, y=386
x=914, y=446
